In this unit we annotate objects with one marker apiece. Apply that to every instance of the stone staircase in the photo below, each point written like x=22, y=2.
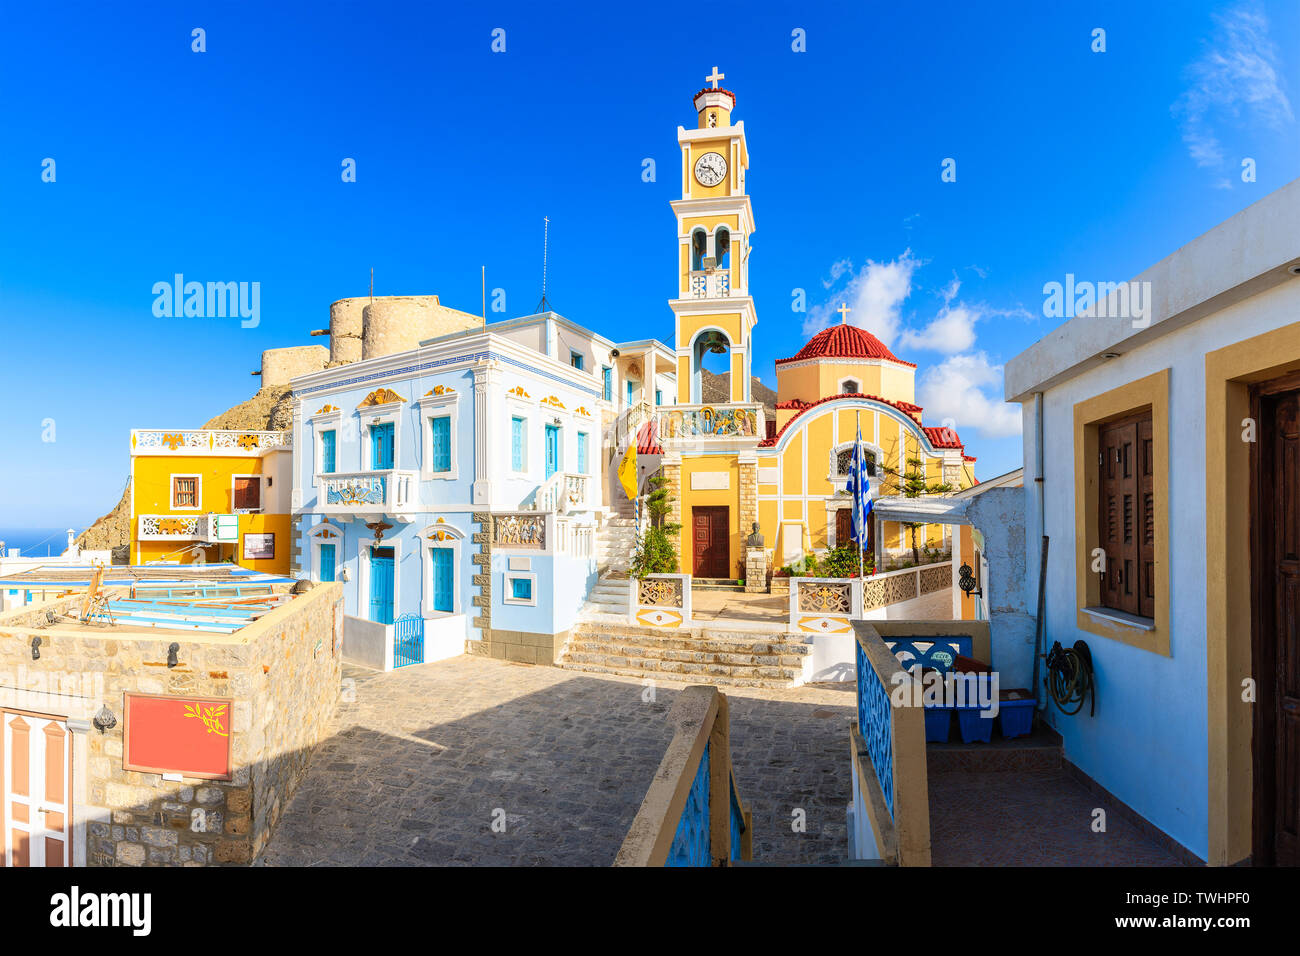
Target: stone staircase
x=696, y=655
x=608, y=597
x=616, y=538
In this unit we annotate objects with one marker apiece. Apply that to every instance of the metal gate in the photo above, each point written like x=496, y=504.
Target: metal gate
x=409, y=637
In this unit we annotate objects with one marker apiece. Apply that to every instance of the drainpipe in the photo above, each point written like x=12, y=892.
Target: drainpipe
x=1040, y=489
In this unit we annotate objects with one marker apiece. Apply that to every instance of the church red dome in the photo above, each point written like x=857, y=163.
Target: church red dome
x=844, y=341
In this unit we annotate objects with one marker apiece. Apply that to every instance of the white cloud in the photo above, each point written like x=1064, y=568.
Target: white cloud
x=875, y=295
x=952, y=330
x=968, y=390
x=1236, y=81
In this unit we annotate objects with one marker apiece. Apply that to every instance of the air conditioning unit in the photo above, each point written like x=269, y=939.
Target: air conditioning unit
x=218, y=529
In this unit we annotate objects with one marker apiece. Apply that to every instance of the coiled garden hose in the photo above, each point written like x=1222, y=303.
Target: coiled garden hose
x=1070, y=678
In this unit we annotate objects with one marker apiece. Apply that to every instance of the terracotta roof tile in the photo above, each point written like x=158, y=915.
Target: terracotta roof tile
x=844, y=341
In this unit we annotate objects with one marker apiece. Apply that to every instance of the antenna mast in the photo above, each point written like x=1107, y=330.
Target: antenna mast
x=544, y=306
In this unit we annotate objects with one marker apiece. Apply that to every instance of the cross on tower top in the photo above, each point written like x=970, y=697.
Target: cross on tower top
x=714, y=77
x=844, y=311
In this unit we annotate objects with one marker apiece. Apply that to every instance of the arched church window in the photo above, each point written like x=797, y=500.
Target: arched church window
x=699, y=248
x=844, y=462
x=722, y=243
x=850, y=387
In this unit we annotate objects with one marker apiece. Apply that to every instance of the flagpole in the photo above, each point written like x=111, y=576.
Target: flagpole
x=857, y=465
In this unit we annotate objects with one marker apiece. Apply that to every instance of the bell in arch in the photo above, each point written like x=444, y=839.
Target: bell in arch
x=714, y=341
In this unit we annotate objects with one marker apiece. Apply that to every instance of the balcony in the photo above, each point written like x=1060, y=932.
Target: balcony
x=682, y=427
x=202, y=528
x=359, y=493
x=713, y=284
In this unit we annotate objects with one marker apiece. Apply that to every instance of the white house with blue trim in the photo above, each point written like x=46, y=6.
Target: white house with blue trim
x=459, y=489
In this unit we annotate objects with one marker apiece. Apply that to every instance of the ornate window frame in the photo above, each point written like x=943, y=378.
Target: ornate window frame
x=314, y=541
x=378, y=415
x=446, y=405
x=324, y=421
x=451, y=540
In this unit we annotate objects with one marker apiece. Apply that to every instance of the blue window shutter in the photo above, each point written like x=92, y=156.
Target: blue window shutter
x=582, y=453
x=517, y=444
x=441, y=431
x=609, y=383
x=521, y=589
x=327, y=452
x=326, y=570
x=442, y=579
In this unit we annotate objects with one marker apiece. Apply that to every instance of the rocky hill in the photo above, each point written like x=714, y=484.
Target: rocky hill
x=268, y=410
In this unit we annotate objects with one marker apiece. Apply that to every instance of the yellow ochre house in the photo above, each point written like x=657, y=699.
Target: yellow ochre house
x=209, y=495
x=729, y=464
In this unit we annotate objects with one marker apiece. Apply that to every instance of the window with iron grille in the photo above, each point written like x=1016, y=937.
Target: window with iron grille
x=844, y=462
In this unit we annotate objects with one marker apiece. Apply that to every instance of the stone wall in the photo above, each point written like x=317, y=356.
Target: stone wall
x=282, y=674
x=280, y=365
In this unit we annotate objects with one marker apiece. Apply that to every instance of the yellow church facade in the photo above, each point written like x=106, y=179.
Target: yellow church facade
x=729, y=465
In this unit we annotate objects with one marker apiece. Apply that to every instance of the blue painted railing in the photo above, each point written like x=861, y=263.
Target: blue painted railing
x=875, y=717
x=737, y=820
x=408, y=646
x=693, y=814
x=691, y=843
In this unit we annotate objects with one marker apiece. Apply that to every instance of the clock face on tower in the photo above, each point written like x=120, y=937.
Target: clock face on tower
x=710, y=169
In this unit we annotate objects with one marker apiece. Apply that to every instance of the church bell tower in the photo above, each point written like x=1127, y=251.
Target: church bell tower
x=713, y=308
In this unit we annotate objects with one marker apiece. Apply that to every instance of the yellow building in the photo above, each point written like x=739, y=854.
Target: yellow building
x=212, y=496
x=727, y=465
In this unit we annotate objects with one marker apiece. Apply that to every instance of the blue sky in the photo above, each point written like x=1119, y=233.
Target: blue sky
x=225, y=166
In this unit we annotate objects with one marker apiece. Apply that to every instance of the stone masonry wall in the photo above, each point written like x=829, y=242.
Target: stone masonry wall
x=282, y=674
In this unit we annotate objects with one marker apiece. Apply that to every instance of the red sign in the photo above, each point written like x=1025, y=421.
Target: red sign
x=186, y=735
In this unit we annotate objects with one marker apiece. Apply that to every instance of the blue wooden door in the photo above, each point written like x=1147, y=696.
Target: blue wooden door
x=381, y=446
x=381, y=585
x=326, y=562
x=552, y=450
x=442, y=579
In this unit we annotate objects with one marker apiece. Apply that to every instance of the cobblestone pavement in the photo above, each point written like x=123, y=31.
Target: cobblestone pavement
x=422, y=760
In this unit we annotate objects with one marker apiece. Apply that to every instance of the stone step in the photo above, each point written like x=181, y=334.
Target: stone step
x=607, y=634
x=682, y=655
x=654, y=666
x=681, y=678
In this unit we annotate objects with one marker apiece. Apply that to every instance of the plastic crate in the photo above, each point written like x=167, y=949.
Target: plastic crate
x=974, y=726
x=1016, y=717
x=938, y=722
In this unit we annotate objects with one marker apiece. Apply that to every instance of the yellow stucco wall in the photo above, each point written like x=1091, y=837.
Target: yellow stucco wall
x=152, y=495
x=730, y=497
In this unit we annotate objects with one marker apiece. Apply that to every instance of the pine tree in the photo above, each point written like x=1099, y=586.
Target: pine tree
x=912, y=484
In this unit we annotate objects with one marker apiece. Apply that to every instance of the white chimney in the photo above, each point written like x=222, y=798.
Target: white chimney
x=72, y=536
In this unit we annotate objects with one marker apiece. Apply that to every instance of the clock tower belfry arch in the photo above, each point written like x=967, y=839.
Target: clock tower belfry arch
x=713, y=309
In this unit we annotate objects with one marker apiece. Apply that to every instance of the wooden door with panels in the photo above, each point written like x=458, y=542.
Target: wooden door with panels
x=711, y=538
x=36, y=764
x=1275, y=621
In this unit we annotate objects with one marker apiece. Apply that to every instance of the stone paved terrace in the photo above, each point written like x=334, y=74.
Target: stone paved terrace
x=1030, y=818
x=421, y=760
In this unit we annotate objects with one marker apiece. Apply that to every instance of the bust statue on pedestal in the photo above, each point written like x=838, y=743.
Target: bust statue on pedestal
x=755, y=539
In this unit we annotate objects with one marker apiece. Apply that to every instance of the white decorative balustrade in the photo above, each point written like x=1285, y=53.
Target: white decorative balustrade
x=207, y=441
x=572, y=538
x=714, y=284
x=660, y=600
x=367, y=492
x=563, y=492
x=827, y=605
x=168, y=528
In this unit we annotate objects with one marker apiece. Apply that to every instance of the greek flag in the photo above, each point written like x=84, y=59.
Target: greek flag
x=859, y=486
